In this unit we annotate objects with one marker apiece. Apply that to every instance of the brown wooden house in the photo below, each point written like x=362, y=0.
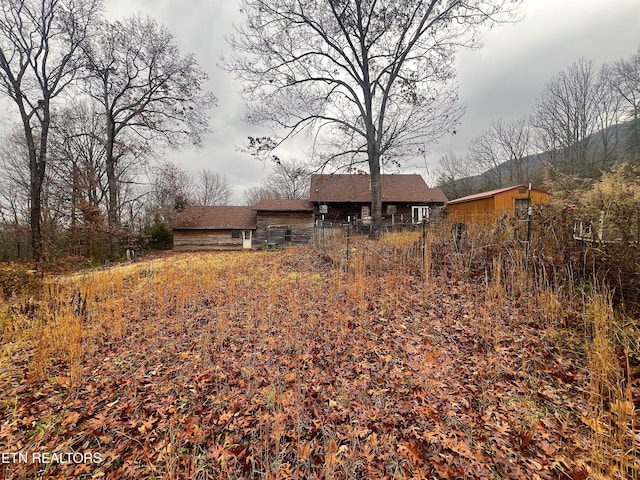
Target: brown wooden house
x=214, y=228
x=283, y=222
x=269, y=223
x=339, y=198
x=511, y=200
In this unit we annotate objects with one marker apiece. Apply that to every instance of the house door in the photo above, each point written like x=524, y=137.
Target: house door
x=246, y=239
x=419, y=214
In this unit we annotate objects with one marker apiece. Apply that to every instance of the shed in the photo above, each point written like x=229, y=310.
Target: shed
x=511, y=200
x=283, y=222
x=214, y=228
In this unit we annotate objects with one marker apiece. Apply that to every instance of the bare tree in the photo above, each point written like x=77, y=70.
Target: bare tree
x=77, y=159
x=253, y=195
x=572, y=107
x=39, y=45
x=514, y=138
x=487, y=154
x=608, y=114
x=563, y=112
x=625, y=82
x=455, y=175
x=212, y=188
x=172, y=192
x=14, y=191
x=290, y=179
x=150, y=93
x=374, y=78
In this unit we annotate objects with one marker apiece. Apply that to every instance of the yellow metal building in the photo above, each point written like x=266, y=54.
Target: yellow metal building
x=511, y=200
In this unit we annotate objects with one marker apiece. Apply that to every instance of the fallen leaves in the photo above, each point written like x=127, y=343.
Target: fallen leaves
x=274, y=365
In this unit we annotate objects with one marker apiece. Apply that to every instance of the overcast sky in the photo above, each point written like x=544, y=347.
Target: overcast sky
x=500, y=80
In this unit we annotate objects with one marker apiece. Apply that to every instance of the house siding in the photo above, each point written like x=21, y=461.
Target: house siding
x=498, y=204
x=340, y=212
x=283, y=228
x=205, y=240
x=507, y=200
x=475, y=208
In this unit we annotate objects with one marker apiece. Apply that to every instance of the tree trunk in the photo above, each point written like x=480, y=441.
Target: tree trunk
x=37, y=168
x=112, y=184
x=376, y=195
x=35, y=218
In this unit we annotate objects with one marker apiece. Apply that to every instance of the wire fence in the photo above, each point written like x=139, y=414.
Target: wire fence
x=544, y=244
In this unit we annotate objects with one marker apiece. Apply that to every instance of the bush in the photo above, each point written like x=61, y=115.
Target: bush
x=157, y=237
x=17, y=279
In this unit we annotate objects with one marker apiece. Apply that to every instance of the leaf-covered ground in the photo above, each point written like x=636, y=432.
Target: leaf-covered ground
x=281, y=365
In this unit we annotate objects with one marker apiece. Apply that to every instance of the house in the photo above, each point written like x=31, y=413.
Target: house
x=214, y=228
x=338, y=198
x=283, y=222
x=268, y=223
x=511, y=200
x=334, y=199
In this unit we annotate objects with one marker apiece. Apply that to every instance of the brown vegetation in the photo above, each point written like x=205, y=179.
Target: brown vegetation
x=398, y=360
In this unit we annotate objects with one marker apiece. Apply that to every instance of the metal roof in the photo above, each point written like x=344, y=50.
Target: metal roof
x=491, y=193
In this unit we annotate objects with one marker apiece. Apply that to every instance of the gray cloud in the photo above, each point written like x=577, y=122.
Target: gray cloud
x=500, y=80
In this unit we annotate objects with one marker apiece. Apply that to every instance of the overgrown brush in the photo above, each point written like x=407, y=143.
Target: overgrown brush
x=17, y=280
x=613, y=421
x=417, y=356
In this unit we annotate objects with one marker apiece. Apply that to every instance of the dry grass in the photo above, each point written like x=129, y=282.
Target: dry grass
x=406, y=358
x=613, y=417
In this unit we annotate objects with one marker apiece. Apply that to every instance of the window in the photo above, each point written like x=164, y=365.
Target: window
x=236, y=234
x=247, y=234
x=522, y=207
x=418, y=214
x=287, y=235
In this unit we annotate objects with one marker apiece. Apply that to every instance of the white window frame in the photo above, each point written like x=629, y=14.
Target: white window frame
x=419, y=213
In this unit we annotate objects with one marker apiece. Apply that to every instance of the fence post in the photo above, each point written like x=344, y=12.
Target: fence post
x=424, y=240
x=529, y=213
x=346, y=268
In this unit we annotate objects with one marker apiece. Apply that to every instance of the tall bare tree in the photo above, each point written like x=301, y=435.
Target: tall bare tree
x=455, y=175
x=625, y=82
x=500, y=152
x=573, y=106
x=150, y=93
x=77, y=159
x=39, y=46
x=211, y=188
x=172, y=192
x=563, y=114
x=14, y=192
x=514, y=138
x=374, y=77
x=609, y=113
x=253, y=195
x=486, y=153
x=290, y=179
